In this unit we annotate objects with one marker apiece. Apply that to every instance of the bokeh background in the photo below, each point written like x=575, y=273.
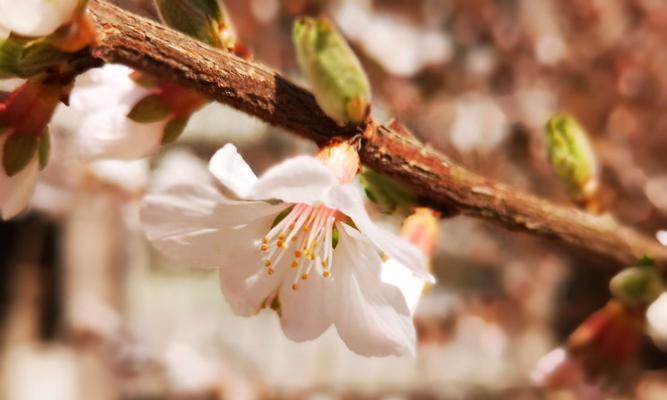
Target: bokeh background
x=89, y=311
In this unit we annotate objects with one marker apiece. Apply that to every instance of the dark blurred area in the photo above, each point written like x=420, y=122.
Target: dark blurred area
x=85, y=302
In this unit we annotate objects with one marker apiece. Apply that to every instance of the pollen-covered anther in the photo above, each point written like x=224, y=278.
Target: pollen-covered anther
x=269, y=271
x=295, y=286
x=326, y=274
x=304, y=277
x=268, y=263
x=264, y=247
x=294, y=264
x=297, y=254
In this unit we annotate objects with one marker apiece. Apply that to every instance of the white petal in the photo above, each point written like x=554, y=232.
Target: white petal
x=99, y=105
x=348, y=200
x=300, y=179
x=35, y=17
x=195, y=225
x=232, y=171
x=179, y=167
x=372, y=317
x=394, y=273
x=305, y=313
x=245, y=282
x=656, y=318
x=16, y=191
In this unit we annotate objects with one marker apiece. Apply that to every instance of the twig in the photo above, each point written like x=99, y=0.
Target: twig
x=134, y=41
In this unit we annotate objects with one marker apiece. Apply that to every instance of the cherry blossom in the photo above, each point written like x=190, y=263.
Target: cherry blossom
x=35, y=17
x=298, y=240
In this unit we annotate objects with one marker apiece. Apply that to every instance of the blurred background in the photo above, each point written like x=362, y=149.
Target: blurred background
x=89, y=311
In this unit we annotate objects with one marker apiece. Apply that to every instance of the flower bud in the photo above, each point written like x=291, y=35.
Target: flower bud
x=204, y=20
x=342, y=159
x=571, y=155
x=637, y=286
x=338, y=80
x=421, y=229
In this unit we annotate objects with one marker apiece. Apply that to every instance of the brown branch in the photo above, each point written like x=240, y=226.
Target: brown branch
x=252, y=88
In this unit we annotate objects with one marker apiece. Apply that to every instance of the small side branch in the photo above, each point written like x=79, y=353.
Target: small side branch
x=252, y=88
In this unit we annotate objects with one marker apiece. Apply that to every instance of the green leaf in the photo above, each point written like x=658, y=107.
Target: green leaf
x=44, y=149
x=25, y=57
x=390, y=196
x=149, y=109
x=174, y=129
x=637, y=285
x=17, y=152
x=338, y=80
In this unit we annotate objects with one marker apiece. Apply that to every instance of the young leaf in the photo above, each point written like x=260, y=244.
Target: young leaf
x=338, y=80
x=149, y=109
x=17, y=152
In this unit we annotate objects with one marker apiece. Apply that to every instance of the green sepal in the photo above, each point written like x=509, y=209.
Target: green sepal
x=646, y=261
x=174, y=128
x=390, y=196
x=18, y=151
x=639, y=285
x=338, y=80
x=149, y=109
x=44, y=149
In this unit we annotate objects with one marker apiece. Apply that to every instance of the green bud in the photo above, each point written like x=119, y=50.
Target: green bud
x=149, y=109
x=18, y=151
x=28, y=57
x=204, y=20
x=390, y=196
x=338, y=80
x=174, y=129
x=571, y=155
x=637, y=285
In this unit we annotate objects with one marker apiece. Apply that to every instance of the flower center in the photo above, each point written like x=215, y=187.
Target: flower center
x=307, y=234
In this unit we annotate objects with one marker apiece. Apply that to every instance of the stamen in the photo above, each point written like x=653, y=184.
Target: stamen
x=295, y=286
x=304, y=276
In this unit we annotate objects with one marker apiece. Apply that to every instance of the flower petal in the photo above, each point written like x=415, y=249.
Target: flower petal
x=372, y=317
x=99, y=105
x=35, y=17
x=394, y=273
x=232, y=171
x=305, y=314
x=246, y=283
x=656, y=319
x=300, y=179
x=197, y=226
x=348, y=200
x=16, y=191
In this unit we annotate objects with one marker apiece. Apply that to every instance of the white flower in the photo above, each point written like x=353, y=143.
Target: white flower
x=298, y=240
x=16, y=190
x=35, y=17
x=97, y=114
x=656, y=318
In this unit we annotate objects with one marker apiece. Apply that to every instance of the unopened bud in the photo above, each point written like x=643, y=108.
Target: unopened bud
x=571, y=155
x=421, y=229
x=204, y=20
x=338, y=80
x=342, y=159
x=638, y=286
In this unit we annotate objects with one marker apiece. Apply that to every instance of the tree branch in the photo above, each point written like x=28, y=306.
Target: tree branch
x=139, y=43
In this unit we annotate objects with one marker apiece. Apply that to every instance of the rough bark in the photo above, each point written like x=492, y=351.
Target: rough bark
x=252, y=88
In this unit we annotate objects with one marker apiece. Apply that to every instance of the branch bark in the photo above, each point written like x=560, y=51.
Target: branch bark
x=139, y=43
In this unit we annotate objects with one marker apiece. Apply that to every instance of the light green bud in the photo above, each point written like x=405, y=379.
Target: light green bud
x=204, y=20
x=338, y=80
x=571, y=155
x=637, y=285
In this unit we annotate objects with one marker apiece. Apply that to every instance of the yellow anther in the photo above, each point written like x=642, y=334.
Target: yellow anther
x=291, y=226
x=306, y=228
x=265, y=240
x=384, y=257
x=297, y=254
x=269, y=271
x=264, y=247
x=311, y=257
x=267, y=263
x=295, y=286
x=294, y=238
x=326, y=274
x=294, y=264
x=325, y=263
x=304, y=277
x=281, y=237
